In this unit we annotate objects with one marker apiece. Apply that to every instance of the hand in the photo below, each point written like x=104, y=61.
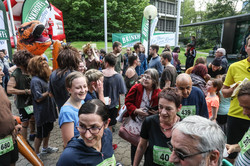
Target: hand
x=232, y=148
x=18, y=128
x=153, y=112
x=139, y=111
x=98, y=87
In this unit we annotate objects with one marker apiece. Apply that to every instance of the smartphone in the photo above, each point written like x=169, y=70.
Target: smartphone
x=155, y=108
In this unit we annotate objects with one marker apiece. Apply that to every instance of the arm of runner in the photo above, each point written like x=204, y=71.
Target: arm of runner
x=141, y=149
x=12, y=90
x=67, y=130
x=44, y=95
x=227, y=91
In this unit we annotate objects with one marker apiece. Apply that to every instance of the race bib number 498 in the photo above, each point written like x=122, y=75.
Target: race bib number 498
x=187, y=110
x=161, y=156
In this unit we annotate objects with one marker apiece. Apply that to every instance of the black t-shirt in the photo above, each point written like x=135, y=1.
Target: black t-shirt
x=157, y=152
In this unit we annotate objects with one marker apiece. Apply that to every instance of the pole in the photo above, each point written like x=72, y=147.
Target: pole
x=177, y=23
x=12, y=23
x=105, y=26
x=149, y=29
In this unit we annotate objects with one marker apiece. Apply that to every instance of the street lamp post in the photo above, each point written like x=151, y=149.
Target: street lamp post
x=150, y=12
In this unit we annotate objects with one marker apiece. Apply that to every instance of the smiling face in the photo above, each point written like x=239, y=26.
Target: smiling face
x=92, y=121
x=244, y=103
x=167, y=110
x=78, y=89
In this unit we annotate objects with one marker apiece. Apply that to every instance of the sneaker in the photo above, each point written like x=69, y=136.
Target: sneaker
x=114, y=146
x=49, y=150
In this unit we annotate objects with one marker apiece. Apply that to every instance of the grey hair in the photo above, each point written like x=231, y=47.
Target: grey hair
x=154, y=76
x=210, y=135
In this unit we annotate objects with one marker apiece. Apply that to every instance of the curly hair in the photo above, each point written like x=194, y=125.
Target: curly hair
x=38, y=66
x=68, y=59
x=21, y=58
x=171, y=94
x=86, y=48
x=200, y=70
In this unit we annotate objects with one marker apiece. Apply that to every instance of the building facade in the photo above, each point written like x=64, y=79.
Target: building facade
x=167, y=13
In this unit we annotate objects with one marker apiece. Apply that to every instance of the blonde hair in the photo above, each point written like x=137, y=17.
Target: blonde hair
x=93, y=75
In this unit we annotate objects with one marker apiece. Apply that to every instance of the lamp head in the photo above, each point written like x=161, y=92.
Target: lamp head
x=150, y=12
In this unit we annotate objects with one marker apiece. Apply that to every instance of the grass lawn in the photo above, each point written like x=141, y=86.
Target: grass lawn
x=101, y=45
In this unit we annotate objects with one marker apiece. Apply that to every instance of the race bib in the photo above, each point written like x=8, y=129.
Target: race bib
x=187, y=110
x=29, y=109
x=161, y=156
x=6, y=145
x=245, y=142
x=108, y=162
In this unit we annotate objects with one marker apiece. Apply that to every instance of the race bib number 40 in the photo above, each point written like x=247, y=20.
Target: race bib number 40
x=187, y=110
x=245, y=142
x=108, y=162
x=161, y=156
x=6, y=145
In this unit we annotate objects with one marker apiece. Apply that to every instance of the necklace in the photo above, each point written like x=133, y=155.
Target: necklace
x=166, y=129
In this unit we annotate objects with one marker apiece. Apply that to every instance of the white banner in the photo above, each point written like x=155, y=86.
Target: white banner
x=163, y=39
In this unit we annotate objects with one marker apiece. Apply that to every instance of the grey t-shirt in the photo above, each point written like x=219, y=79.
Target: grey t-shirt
x=44, y=111
x=119, y=60
x=113, y=87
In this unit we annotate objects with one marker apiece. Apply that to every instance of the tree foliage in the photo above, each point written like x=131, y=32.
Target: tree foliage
x=84, y=19
x=219, y=9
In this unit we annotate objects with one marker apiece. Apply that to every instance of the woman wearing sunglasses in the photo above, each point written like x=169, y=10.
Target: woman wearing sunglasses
x=94, y=145
x=156, y=130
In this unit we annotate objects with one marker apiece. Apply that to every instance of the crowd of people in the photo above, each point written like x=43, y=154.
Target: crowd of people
x=171, y=116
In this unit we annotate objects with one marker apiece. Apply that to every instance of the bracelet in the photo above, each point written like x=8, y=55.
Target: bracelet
x=26, y=91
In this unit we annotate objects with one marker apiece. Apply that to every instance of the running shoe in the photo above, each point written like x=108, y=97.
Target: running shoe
x=49, y=150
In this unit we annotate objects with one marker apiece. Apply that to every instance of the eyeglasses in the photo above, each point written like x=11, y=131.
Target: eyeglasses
x=146, y=77
x=182, y=156
x=92, y=130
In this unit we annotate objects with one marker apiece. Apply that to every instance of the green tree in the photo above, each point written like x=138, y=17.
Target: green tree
x=219, y=9
x=84, y=19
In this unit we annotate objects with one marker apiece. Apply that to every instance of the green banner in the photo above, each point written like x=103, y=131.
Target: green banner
x=3, y=34
x=145, y=30
x=127, y=39
x=4, y=31
x=35, y=10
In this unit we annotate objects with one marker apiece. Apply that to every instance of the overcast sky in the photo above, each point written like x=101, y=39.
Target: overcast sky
x=201, y=4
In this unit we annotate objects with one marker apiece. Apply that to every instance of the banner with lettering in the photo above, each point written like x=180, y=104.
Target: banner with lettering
x=35, y=10
x=144, y=32
x=4, y=31
x=129, y=39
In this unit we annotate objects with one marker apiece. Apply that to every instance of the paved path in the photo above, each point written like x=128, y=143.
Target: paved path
x=122, y=153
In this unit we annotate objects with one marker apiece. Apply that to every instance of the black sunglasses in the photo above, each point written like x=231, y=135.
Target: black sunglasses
x=182, y=156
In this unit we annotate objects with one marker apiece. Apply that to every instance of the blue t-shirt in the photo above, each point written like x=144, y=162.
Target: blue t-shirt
x=224, y=105
x=144, y=64
x=68, y=113
x=90, y=96
x=156, y=63
x=197, y=99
